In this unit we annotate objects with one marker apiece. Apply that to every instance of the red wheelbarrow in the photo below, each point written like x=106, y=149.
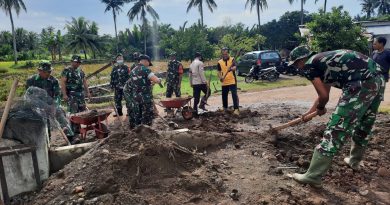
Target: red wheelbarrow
x=92, y=120
x=180, y=104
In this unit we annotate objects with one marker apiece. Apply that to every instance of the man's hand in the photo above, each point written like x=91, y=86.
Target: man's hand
x=321, y=112
x=65, y=98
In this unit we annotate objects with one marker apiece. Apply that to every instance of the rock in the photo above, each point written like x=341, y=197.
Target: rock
x=384, y=172
x=80, y=201
x=382, y=196
x=105, y=151
x=375, y=154
x=78, y=189
x=315, y=200
x=363, y=192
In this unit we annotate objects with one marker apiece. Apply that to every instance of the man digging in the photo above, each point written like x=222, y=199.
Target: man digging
x=362, y=84
x=138, y=93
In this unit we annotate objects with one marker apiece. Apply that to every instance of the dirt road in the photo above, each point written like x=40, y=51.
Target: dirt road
x=289, y=94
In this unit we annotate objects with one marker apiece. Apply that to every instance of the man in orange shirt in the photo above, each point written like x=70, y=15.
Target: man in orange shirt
x=226, y=73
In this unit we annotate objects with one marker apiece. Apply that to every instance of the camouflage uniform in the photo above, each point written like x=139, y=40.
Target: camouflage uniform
x=75, y=89
x=138, y=96
x=173, y=78
x=52, y=87
x=362, y=85
x=119, y=76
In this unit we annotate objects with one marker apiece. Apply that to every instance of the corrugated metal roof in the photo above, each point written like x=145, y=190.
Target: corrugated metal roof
x=378, y=30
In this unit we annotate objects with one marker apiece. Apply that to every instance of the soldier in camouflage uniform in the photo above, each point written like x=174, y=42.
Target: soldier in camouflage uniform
x=138, y=93
x=119, y=76
x=73, y=86
x=47, y=82
x=174, y=76
x=135, y=59
x=362, y=86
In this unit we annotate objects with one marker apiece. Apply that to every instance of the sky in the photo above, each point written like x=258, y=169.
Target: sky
x=56, y=13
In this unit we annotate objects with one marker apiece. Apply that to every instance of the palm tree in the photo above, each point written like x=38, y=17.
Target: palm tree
x=259, y=4
x=82, y=36
x=199, y=3
x=368, y=7
x=383, y=7
x=7, y=6
x=140, y=9
x=325, y=1
x=302, y=12
x=115, y=7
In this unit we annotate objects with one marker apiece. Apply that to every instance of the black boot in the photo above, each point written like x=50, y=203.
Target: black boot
x=120, y=113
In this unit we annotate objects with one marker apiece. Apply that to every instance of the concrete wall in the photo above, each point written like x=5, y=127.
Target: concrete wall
x=19, y=169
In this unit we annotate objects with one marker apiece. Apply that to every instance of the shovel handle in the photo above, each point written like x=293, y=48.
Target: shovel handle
x=294, y=122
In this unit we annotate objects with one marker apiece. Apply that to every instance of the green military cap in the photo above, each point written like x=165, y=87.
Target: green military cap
x=119, y=54
x=225, y=49
x=299, y=53
x=45, y=66
x=146, y=57
x=76, y=58
x=173, y=54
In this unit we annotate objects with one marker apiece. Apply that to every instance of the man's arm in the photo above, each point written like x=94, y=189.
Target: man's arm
x=63, y=88
x=201, y=73
x=220, y=75
x=323, y=91
x=86, y=88
x=181, y=71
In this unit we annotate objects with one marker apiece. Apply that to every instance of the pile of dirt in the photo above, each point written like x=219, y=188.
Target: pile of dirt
x=93, y=113
x=139, y=167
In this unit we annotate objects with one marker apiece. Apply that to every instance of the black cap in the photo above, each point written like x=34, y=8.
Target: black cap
x=76, y=58
x=198, y=55
x=145, y=57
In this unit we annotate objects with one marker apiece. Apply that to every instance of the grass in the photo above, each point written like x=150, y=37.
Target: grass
x=384, y=109
x=9, y=72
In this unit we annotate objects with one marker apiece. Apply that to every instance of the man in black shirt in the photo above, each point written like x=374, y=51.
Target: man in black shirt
x=382, y=55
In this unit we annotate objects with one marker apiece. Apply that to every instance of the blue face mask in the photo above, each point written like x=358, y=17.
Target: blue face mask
x=120, y=62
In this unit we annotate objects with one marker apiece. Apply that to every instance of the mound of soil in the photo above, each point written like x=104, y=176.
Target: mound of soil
x=139, y=167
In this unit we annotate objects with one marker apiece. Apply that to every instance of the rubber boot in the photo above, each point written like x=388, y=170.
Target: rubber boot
x=236, y=112
x=355, y=156
x=120, y=113
x=319, y=165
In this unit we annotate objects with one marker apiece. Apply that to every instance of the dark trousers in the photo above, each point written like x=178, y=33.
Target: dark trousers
x=225, y=93
x=197, y=89
x=118, y=99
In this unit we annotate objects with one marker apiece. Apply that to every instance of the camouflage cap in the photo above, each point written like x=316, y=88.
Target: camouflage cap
x=76, y=58
x=146, y=57
x=299, y=53
x=45, y=66
x=173, y=54
x=119, y=54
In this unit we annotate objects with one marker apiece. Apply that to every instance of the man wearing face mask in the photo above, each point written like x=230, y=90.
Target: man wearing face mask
x=119, y=76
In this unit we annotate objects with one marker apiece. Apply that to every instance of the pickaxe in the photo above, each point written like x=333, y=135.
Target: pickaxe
x=274, y=130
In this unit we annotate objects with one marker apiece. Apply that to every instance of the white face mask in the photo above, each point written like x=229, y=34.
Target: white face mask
x=120, y=62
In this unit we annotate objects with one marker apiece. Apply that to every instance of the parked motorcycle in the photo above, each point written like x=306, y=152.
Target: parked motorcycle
x=270, y=74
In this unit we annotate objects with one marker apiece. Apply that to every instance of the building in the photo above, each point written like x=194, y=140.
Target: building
x=375, y=29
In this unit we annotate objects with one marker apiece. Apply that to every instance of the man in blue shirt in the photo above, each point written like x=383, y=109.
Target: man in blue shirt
x=382, y=55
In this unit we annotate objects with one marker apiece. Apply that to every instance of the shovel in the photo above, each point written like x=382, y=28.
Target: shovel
x=296, y=121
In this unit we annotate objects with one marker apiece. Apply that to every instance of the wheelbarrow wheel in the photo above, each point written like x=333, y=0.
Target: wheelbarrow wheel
x=103, y=133
x=187, y=112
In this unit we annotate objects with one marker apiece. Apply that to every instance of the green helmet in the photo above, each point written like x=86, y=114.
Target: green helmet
x=299, y=53
x=45, y=66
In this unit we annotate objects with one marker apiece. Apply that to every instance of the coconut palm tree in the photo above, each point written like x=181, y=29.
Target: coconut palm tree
x=199, y=3
x=8, y=6
x=139, y=10
x=116, y=7
x=383, y=7
x=325, y=1
x=302, y=12
x=83, y=36
x=368, y=7
x=260, y=5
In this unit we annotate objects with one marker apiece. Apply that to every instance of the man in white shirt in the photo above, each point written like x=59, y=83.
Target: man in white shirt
x=198, y=82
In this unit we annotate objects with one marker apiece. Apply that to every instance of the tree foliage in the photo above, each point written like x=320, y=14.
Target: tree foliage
x=335, y=30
